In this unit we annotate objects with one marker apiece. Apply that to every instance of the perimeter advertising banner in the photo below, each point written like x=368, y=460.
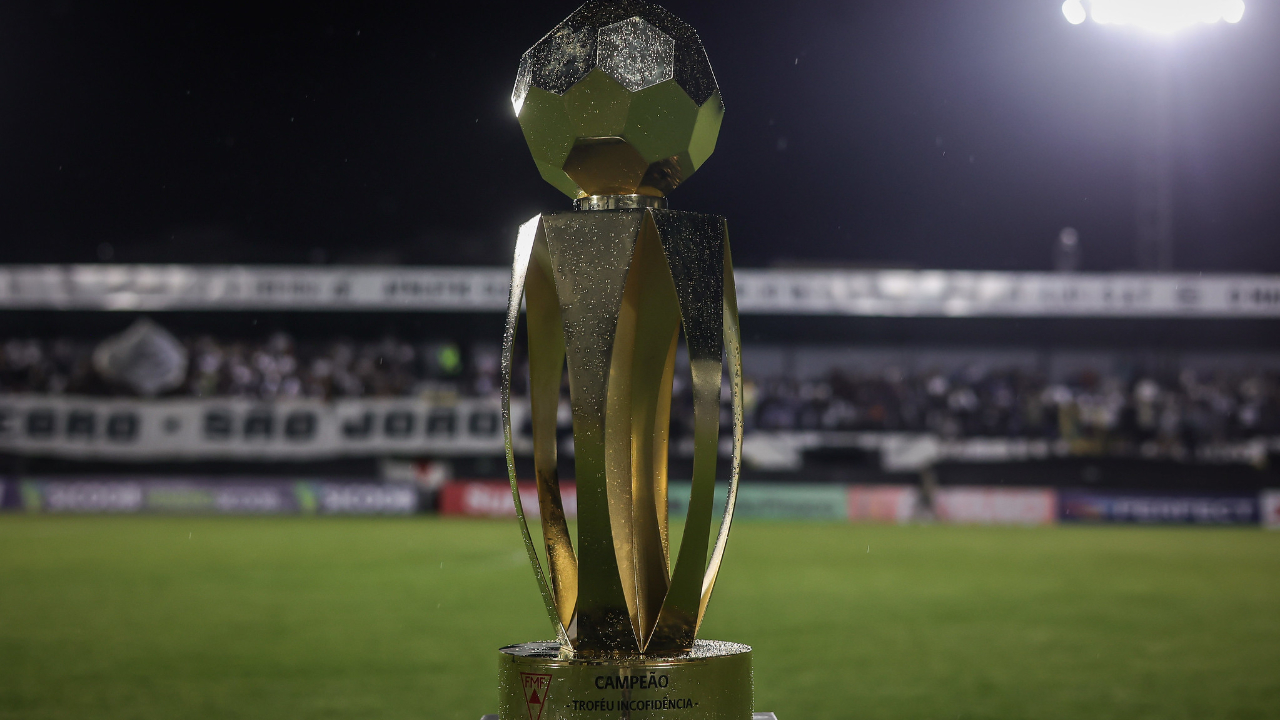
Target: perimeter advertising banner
x=8, y=495
x=996, y=505
x=1271, y=509
x=770, y=501
x=487, y=498
x=792, y=501
x=492, y=498
x=1150, y=508
x=883, y=503
x=968, y=505
x=238, y=497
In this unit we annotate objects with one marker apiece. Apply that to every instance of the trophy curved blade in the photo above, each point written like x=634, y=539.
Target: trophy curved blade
x=733, y=352
x=694, y=248
x=528, y=232
x=546, y=364
x=661, y=450
x=637, y=424
x=590, y=255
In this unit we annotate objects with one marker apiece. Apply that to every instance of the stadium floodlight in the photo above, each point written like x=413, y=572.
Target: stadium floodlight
x=1154, y=198
x=1160, y=16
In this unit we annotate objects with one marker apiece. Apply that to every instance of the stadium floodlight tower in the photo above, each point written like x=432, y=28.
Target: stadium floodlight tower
x=1162, y=20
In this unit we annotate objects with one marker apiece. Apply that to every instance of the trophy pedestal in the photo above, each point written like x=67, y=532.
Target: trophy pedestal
x=711, y=682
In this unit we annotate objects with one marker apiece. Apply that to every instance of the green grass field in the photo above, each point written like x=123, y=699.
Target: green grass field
x=147, y=617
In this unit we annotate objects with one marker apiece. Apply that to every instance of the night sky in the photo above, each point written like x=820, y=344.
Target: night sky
x=958, y=134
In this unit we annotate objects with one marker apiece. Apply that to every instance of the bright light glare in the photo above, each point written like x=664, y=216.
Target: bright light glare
x=1074, y=12
x=1164, y=16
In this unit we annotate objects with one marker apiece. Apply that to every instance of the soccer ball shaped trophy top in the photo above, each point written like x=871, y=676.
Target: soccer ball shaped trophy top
x=619, y=106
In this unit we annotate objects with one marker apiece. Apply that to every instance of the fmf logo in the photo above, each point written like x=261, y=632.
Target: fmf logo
x=535, y=687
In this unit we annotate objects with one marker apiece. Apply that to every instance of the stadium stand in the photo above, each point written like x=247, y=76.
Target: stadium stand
x=1152, y=411
x=1126, y=380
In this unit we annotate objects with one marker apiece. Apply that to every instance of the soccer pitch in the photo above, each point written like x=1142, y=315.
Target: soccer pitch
x=164, y=617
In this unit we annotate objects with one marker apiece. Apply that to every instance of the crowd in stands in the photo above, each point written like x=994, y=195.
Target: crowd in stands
x=277, y=367
x=1181, y=407
x=1108, y=412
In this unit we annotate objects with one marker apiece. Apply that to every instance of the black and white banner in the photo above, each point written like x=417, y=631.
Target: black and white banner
x=875, y=293
x=243, y=429
x=232, y=287
x=958, y=293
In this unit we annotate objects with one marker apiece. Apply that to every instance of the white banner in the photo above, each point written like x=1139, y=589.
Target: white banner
x=213, y=287
x=894, y=293
x=947, y=293
x=243, y=429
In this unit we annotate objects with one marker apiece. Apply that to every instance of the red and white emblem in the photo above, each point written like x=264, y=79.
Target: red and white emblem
x=535, y=687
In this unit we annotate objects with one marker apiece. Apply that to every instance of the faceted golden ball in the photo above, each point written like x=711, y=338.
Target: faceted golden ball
x=619, y=99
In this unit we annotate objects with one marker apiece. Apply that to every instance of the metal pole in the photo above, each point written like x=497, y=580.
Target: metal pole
x=1155, y=168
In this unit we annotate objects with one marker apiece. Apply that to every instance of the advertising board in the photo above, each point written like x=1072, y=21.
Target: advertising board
x=210, y=496
x=882, y=503
x=1151, y=508
x=1271, y=509
x=775, y=501
x=996, y=505
x=769, y=501
x=492, y=499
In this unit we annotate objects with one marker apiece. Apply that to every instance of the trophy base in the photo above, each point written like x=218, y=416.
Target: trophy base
x=754, y=716
x=711, y=682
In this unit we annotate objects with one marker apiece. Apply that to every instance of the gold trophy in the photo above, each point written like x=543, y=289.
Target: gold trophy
x=619, y=106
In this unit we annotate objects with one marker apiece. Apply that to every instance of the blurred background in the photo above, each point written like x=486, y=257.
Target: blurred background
x=1009, y=275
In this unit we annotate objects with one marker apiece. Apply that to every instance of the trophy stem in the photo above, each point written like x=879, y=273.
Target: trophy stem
x=619, y=202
